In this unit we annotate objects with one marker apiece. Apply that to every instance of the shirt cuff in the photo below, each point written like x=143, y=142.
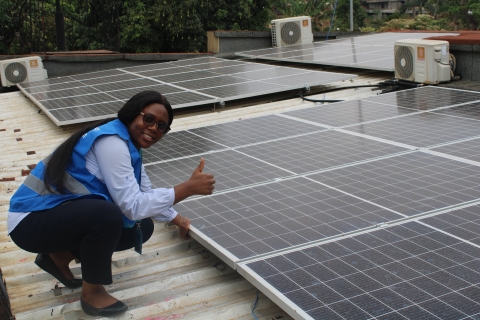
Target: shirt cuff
x=171, y=196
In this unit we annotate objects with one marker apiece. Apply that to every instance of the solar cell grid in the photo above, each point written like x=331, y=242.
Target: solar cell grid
x=271, y=73
x=64, y=93
x=368, y=283
x=230, y=70
x=190, y=75
x=254, y=130
x=467, y=149
x=127, y=84
x=279, y=215
x=348, y=113
x=426, y=98
x=89, y=113
x=243, y=90
x=76, y=101
x=212, y=82
x=197, y=81
x=362, y=58
x=194, y=61
x=125, y=94
x=380, y=64
x=231, y=169
x=215, y=65
x=112, y=79
x=462, y=223
x=319, y=151
x=54, y=87
x=409, y=184
x=97, y=74
x=163, y=72
x=301, y=79
x=470, y=111
x=177, y=145
x=420, y=130
x=186, y=98
x=41, y=83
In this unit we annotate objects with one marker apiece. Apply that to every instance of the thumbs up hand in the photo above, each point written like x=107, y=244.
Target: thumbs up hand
x=199, y=183
x=202, y=183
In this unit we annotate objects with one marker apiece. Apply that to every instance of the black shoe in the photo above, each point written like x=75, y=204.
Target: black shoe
x=46, y=263
x=113, y=309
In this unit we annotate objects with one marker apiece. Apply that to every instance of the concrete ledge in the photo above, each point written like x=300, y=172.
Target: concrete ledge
x=241, y=34
x=225, y=42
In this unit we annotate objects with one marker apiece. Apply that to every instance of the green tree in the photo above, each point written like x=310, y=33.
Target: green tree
x=342, y=15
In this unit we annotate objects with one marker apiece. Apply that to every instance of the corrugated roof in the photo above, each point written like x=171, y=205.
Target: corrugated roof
x=173, y=279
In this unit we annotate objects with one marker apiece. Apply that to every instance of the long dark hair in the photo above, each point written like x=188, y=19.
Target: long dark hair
x=56, y=168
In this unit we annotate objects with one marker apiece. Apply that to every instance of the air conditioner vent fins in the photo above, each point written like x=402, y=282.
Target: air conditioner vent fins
x=16, y=72
x=290, y=32
x=404, y=61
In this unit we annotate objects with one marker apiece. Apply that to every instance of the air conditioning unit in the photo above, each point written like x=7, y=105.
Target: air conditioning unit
x=422, y=61
x=21, y=70
x=291, y=31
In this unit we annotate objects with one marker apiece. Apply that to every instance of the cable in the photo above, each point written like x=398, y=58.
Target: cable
x=255, y=306
x=392, y=85
x=313, y=100
x=333, y=19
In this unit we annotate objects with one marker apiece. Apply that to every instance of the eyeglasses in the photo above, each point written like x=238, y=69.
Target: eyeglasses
x=149, y=120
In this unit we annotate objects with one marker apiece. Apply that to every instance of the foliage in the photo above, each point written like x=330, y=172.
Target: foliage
x=420, y=22
x=128, y=25
x=368, y=29
x=342, y=16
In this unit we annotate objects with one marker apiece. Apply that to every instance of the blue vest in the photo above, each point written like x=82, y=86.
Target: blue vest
x=34, y=196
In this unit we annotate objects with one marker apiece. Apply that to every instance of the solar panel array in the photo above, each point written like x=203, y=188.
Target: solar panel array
x=373, y=51
x=192, y=82
x=333, y=219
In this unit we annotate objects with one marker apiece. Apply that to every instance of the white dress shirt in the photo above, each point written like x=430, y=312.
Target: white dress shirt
x=109, y=160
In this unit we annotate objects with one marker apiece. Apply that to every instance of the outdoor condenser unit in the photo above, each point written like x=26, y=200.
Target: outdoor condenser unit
x=422, y=61
x=21, y=70
x=291, y=31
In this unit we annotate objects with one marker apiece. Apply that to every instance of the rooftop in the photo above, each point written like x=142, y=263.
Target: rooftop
x=173, y=279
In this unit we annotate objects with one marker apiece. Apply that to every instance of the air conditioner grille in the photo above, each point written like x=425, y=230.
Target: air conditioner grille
x=290, y=32
x=404, y=62
x=16, y=72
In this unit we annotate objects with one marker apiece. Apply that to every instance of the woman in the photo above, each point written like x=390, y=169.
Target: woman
x=92, y=197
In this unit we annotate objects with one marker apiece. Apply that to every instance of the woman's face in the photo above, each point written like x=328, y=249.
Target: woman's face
x=142, y=135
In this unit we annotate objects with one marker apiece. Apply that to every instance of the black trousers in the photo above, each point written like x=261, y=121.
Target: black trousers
x=91, y=229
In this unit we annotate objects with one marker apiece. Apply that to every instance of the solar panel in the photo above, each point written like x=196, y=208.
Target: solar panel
x=318, y=151
x=90, y=112
x=368, y=52
x=420, y=130
x=246, y=223
x=185, y=83
x=254, y=130
x=190, y=75
x=469, y=149
x=231, y=169
x=348, y=113
x=178, y=145
x=426, y=98
x=405, y=271
x=470, y=111
x=409, y=184
x=462, y=223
